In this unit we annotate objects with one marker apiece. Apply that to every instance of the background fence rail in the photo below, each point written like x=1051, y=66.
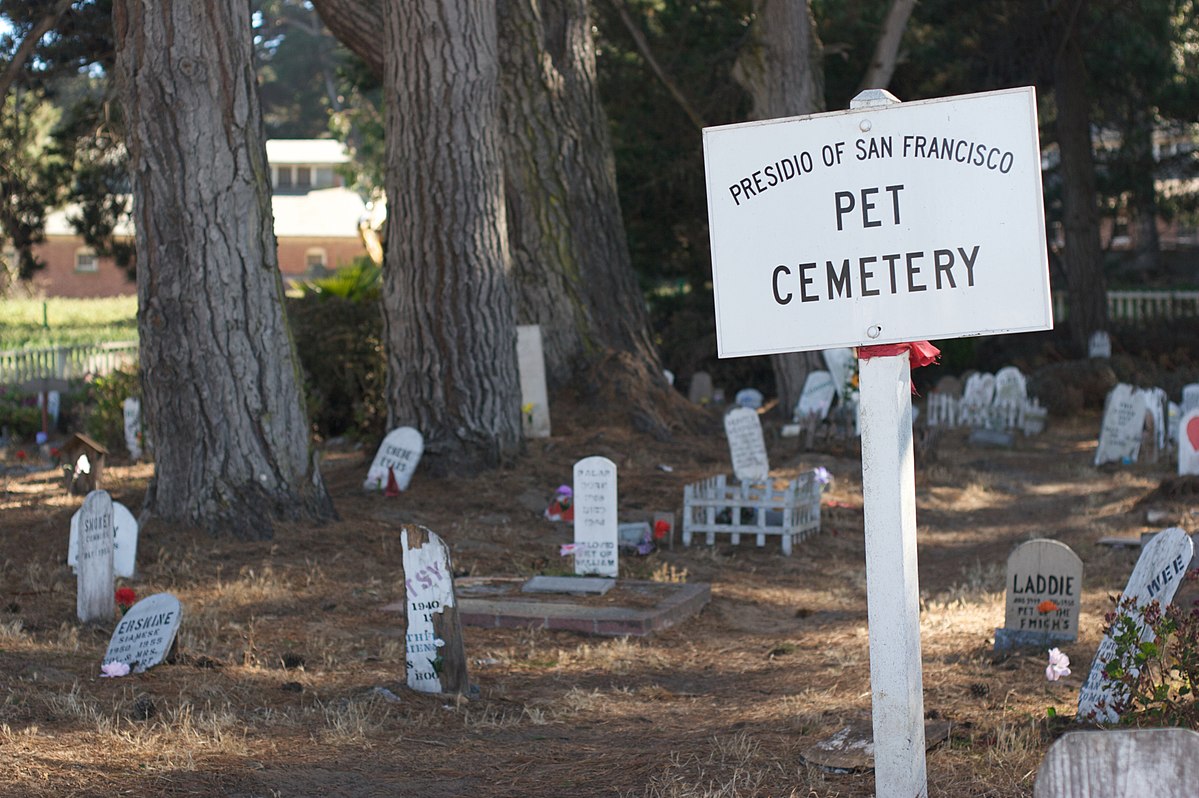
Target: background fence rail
x=1139, y=306
x=62, y=363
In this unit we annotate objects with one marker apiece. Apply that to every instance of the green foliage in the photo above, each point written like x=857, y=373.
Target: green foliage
x=103, y=412
x=356, y=282
x=35, y=323
x=19, y=413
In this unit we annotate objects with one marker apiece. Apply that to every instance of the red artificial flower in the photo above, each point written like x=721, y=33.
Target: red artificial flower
x=21, y=454
x=661, y=529
x=1046, y=606
x=125, y=598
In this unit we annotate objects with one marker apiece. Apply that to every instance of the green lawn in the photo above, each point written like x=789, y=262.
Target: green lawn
x=32, y=323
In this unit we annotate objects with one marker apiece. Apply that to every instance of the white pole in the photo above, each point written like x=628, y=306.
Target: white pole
x=892, y=579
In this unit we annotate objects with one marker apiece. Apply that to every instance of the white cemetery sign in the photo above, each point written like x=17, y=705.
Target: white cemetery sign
x=1156, y=577
x=1188, y=444
x=1044, y=585
x=94, y=600
x=399, y=452
x=1190, y=397
x=433, y=653
x=132, y=409
x=1123, y=425
x=124, y=541
x=596, y=530
x=144, y=636
x=1100, y=345
x=817, y=396
x=887, y=223
x=1010, y=385
x=534, y=398
x=841, y=364
x=747, y=447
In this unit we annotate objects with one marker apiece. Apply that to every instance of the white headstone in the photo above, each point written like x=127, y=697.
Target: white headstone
x=132, y=408
x=747, y=447
x=399, y=452
x=124, y=541
x=817, y=396
x=1100, y=345
x=1156, y=402
x=669, y=376
x=1010, y=385
x=1156, y=577
x=700, y=391
x=749, y=397
x=1044, y=586
x=534, y=398
x=979, y=390
x=1188, y=444
x=143, y=637
x=53, y=404
x=1190, y=398
x=1121, y=763
x=841, y=364
x=94, y=599
x=430, y=591
x=596, y=534
x=1123, y=425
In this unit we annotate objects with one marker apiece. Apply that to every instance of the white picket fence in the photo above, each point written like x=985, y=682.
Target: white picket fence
x=26, y=366
x=944, y=410
x=791, y=513
x=1139, y=306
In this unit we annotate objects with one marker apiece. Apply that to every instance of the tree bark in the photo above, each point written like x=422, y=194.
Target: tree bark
x=886, y=49
x=1082, y=256
x=220, y=379
x=1144, y=190
x=781, y=66
x=447, y=295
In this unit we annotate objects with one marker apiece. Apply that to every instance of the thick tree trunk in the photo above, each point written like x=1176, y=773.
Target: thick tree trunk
x=447, y=296
x=220, y=379
x=1082, y=256
x=886, y=49
x=1144, y=190
x=781, y=66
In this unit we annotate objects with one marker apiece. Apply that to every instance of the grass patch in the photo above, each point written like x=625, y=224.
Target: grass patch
x=34, y=323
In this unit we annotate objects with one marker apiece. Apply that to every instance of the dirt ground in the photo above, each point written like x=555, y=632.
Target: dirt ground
x=283, y=643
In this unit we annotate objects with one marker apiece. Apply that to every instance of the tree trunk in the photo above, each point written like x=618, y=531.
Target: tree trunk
x=1082, y=257
x=781, y=66
x=220, y=378
x=447, y=295
x=886, y=49
x=1144, y=190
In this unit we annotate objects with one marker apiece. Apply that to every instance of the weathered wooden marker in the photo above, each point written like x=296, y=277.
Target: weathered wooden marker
x=874, y=227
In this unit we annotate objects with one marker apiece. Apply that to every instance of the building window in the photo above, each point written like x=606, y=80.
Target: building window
x=303, y=176
x=316, y=262
x=284, y=180
x=324, y=176
x=86, y=261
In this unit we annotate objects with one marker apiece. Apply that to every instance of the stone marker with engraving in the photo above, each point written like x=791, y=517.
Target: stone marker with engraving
x=1044, y=585
x=747, y=447
x=596, y=535
x=1190, y=398
x=1158, y=572
x=124, y=541
x=841, y=363
x=1123, y=426
x=1099, y=345
x=434, y=655
x=534, y=397
x=817, y=396
x=1188, y=444
x=400, y=452
x=94, y=600
x=144, y=636
x=700, y=390
x=1121, y=763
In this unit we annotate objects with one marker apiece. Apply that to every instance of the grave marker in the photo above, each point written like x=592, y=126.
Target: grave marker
x=434, y=655
x=1120, y=763
x=1188, y=444
x=132, y=412
x=1099, y=345
x=1044, y=585
x=596, y=536
x=1158, y=572
x=747, y=447
x=1010, y=385
x=817, y=396
x=534, y=398
x=1123, y=426
x=124, y=541
x=980, y=389
x=400, y=452
x=144, y=636
x=841, y=363
x=749, y=397
x=94, y=599
x=1190, y=398
x=700, y=391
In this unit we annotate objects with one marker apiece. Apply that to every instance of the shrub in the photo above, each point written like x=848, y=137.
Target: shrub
x=19, y=413
x=103, y=411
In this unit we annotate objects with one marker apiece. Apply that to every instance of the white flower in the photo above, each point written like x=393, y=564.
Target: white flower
x=114, y=669
x=1059, y=665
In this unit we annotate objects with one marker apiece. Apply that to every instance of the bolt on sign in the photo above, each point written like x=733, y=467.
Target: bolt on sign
x=878, y=225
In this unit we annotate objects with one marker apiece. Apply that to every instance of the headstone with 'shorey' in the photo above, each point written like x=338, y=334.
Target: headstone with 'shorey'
x=1044, y=585
x=1123, y=426
x=124, y=541
x=144, y=636
x=596, y=529
x=400, y=453
x=93, y=599
x=1156, y=577
x=747, y=447
x=433, y=652
x=1188, y=444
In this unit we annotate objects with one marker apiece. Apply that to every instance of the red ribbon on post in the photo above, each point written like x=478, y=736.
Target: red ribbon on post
x=922, y=353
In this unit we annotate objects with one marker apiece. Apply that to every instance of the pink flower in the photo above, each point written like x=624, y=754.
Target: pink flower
x=113, y=670
x=567, y=549
x=1059, y=665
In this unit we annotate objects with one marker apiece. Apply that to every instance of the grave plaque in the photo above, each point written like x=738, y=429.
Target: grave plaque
x=94, y=599
x=1100, y=345
x=534, y=398
x=747, y=447
x=596, y=535
x=1188, y=444
x=700, y=391
x=433, y=652
x=817, y=396
x=1123, y=425
x=1044, y=584
x=132, y=409
x=144, y=636
x=1156, y=577
x=400, y=452
x=124, y=541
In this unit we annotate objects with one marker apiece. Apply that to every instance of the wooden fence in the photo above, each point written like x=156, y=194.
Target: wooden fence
x=59, y=364
x=1139, y=306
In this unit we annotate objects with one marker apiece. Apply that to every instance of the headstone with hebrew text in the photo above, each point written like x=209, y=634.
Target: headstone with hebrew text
x=94, y=599
x=1188, y=444
x=124, y=541
x=596, y=527
x=1123, y=426
x=747, y=446
x=1044, y=587
x=400, y=452
x=1156, y=577
x=434, y=655
x=534, y=397
x=144, y=636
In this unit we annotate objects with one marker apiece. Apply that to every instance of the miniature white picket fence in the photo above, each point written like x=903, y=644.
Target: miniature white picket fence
x=1139, y=306
x=713, y=507
x=944, y=410
x=25, y=366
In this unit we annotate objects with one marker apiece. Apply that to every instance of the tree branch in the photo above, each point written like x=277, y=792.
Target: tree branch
x=29, y=44
x=648, y=55
x=886, y=49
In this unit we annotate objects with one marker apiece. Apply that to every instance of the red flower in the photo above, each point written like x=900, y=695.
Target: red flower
x=661, y=529
x=125, y=598
x=1046, y=606
x=21, y=454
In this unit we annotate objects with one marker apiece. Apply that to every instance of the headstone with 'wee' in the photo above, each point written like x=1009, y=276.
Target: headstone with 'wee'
x=1156, y=577
x=1044, y=585
x=435, y=658
x=124, y=541
x=1123, y=426
x=596, y=528
x=94, y=599
x=399, y=454
x=747, y=446
x=1188, y=444
x=144, y=636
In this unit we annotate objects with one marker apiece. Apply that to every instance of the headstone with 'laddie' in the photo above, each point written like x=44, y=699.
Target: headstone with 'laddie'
x=1044, y=585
